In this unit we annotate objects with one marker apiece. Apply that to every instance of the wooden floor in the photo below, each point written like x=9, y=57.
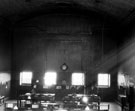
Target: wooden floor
x=113, y=107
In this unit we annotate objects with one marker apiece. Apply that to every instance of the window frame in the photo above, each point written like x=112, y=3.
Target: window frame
x=52, y=84
x=101, y=85
x=83, y=81
x=22, y=79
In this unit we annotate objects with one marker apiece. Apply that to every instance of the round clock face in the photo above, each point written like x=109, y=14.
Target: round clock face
x=64, y=67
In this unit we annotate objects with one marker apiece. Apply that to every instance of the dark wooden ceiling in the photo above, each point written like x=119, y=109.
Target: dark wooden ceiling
x=122, y=10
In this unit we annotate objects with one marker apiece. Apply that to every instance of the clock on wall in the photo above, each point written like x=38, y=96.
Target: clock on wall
x=64, y=67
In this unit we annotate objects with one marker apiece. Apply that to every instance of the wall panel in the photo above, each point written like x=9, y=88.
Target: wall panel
x=46, y=42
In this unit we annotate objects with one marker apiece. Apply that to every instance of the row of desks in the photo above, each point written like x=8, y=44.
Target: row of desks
x=48, y=101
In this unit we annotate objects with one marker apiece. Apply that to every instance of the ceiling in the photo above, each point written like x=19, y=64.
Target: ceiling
x=14, y=10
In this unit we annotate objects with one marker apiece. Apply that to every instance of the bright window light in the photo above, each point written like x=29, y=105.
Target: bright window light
x=50, y=78
x=4, y=77
x=103, y=80
x=26, y=78
x=78, y=79
x=122, y=80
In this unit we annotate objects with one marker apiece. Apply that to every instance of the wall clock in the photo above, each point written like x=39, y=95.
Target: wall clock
x=64, y=67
